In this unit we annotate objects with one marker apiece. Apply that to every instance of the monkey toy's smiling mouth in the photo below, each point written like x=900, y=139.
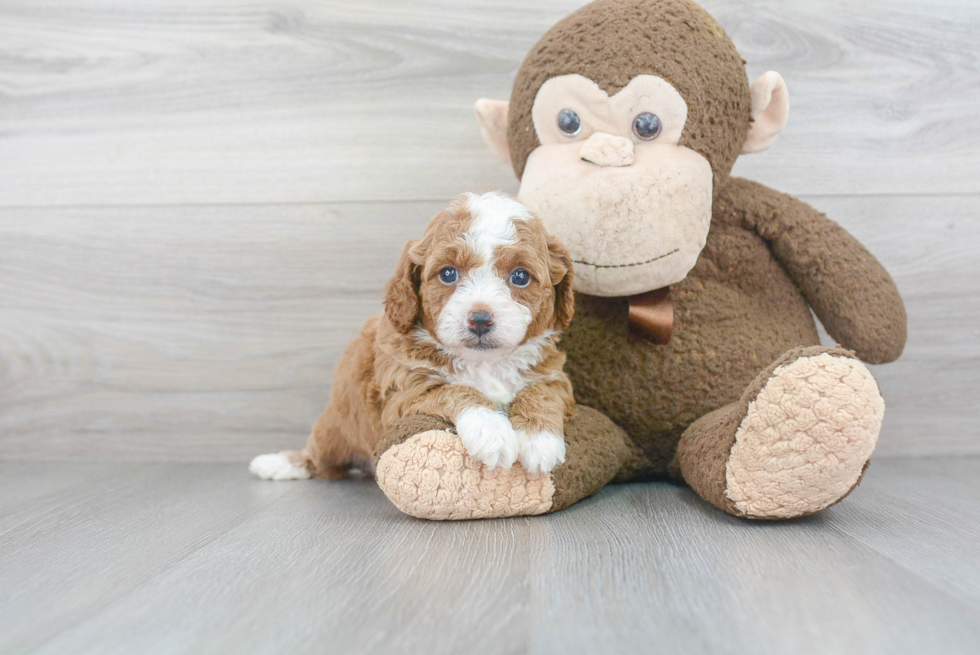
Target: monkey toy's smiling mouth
x=649, y=261
x=629, y=229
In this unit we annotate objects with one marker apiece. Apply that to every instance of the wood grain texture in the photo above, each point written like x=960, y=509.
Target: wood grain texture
x=926, y=529
x=178, y=558
x=185, y=331
x=210, y=332
x=70, y=553
x=307, y=100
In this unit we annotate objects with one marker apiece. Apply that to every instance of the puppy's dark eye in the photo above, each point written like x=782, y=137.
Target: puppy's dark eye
x=569, y=122
x=448, y=275
x=647, y=126
x=520, y=278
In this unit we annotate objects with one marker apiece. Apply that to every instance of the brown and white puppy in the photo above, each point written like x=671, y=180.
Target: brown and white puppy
x=468, y=335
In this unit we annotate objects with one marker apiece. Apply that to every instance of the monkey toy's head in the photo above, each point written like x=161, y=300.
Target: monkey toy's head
x=624, y=123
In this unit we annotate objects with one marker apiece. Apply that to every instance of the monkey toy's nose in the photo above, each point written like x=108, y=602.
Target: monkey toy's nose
x=607, y=150
x=480, y=322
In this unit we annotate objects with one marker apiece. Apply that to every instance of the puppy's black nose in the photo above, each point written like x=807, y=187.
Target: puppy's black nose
x=480, y=322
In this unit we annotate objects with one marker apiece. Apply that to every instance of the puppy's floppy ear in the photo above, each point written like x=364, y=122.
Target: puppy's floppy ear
x=402, y=290
x=562, y=277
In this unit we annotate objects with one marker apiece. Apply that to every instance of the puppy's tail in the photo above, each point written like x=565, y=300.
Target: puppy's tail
x=285, y=465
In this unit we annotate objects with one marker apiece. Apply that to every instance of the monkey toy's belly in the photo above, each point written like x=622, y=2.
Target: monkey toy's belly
x=734, y=314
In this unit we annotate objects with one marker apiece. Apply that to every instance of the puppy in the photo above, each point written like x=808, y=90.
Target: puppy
x=468, y=335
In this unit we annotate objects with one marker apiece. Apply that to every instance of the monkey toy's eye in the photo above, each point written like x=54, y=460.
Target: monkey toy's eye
x=569, y=122
x=448, y=275
x=647, y=126
x=520, y=278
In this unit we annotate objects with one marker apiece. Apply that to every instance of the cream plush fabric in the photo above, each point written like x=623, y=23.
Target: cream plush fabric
x=431, y=476
x=806, y=437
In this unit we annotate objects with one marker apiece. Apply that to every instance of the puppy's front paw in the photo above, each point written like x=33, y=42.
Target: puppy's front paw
x=541, y=452
x=488, y=436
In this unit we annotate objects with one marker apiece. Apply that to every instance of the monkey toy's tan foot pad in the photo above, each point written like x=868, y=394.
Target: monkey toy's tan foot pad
x=806, y=437
x=431, y=476
x=424, y=470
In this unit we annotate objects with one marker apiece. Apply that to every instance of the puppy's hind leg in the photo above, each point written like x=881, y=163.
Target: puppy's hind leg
x=330, y=452
x=332, y=449
x=326, y=455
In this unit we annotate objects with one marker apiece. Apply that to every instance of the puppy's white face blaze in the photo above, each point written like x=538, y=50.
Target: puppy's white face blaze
x=483, y=288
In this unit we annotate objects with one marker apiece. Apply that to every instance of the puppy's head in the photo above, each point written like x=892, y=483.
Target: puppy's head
x=484, y=278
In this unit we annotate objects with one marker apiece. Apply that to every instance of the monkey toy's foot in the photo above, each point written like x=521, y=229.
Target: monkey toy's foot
x=797, y=442
x=424, y=470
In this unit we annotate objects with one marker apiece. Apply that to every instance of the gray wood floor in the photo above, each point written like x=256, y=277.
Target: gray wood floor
x=199, y=558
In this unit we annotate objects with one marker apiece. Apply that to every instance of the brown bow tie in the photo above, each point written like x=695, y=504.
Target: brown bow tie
x=652, y=315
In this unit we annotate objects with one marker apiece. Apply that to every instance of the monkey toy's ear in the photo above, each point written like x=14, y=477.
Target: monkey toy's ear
x=492, y=115
x=770, y=111
x=402, y=291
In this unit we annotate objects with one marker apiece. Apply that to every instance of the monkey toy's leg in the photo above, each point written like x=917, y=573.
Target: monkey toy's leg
x=797, y=442
x=424, y=470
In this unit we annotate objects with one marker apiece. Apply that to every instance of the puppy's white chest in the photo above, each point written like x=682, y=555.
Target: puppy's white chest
x=499, y=382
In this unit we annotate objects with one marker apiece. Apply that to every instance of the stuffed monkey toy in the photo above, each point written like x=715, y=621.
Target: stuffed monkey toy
x=693, y=352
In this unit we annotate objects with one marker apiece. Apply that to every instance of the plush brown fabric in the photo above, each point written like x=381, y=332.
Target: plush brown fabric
x=596, y=450
x=636, y=466
x=850, y=292
x=612, y=41
x=736, y=312
x=706, y=445
x=703, y=452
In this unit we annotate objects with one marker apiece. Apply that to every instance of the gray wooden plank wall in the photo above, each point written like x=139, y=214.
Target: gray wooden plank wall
x=199, y=201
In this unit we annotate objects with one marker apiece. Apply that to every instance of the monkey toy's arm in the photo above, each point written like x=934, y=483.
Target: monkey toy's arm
x=849, y=290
